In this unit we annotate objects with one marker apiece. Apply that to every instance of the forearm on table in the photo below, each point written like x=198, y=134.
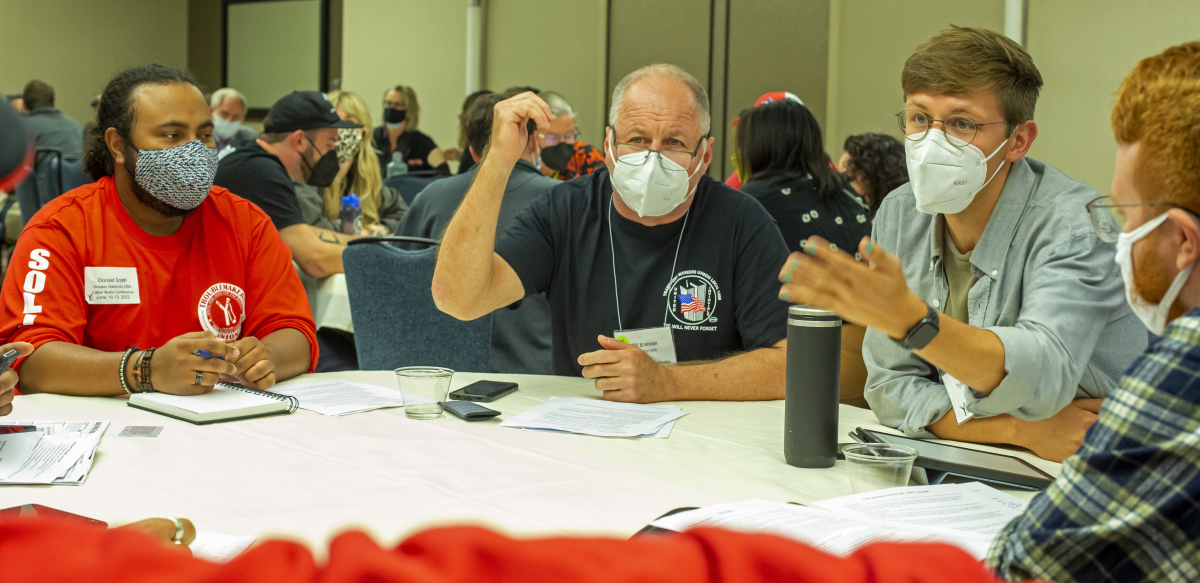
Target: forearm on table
x=69, y=369
x=972, y=355
x=998, y=429
x=466, y=265
x=757, y=375
x=290, y=351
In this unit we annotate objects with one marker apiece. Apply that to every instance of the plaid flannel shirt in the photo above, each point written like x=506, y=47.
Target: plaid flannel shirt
x=1127, y=505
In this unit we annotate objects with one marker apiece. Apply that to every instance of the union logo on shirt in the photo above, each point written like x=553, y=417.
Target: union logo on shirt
x=692, y=297
x=222, y=311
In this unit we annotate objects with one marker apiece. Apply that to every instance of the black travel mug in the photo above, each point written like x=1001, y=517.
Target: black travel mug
x=810, y=412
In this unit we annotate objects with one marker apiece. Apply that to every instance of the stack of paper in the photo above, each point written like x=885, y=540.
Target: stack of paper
x=59, y=452
x=219, y=548
x=596, y=417
x=341, y=397
x=965, y=515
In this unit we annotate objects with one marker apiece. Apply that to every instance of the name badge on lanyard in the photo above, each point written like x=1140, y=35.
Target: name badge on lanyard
x=658, y=343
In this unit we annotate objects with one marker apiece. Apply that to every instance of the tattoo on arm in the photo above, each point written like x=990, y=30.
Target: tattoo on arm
x=335, y=241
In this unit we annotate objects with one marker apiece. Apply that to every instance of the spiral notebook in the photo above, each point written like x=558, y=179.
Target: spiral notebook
x=226, y=402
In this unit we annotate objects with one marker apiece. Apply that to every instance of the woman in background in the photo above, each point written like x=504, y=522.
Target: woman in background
x=399, y=135
x=781, y=163
x=358, y=173
x=874, y=164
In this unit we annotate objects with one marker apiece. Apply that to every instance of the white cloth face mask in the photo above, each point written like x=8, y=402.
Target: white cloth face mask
x=1154, y=316
x=224, y=128
x=944, y=177
x=646, y=185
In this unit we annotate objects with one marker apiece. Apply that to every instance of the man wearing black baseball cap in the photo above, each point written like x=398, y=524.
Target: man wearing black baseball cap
x=297, y=144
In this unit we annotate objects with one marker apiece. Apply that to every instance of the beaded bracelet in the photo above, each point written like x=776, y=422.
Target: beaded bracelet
x=129, y=350
x=144, y=384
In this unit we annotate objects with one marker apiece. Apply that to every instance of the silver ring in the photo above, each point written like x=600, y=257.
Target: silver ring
x=199, y=377
x=178, y=538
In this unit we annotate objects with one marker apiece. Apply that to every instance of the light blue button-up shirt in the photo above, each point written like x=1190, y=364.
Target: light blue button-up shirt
x=1048, y=288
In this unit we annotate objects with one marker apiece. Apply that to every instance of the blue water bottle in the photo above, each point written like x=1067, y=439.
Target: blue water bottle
x=351, y=212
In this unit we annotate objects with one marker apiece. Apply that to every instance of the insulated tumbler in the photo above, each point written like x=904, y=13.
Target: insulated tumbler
x=814, y=361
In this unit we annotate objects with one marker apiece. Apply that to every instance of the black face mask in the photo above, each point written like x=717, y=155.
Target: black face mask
x=394, y=116
x=557, y=157
x=324, y=171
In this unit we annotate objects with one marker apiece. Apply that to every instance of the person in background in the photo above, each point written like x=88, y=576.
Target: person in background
x=358, y=173
x=1124, y=507
x=521, y=337
x=564, y=155
x=465, y=160
x=229, y=111
x=733, y=181
x=17, y=102
x=134, y=273
x=783, y=164
x=1001, y=319
x=649, y=250
x=47, y=126
x=874, y=164
x=399, y=139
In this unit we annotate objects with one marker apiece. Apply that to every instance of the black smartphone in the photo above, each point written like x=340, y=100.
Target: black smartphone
x=483, y=391
x=8, y=358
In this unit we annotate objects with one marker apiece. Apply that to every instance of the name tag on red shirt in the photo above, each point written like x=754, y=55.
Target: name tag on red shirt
x=111, y=285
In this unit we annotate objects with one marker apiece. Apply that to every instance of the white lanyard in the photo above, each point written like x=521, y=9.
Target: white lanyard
x=616, y=286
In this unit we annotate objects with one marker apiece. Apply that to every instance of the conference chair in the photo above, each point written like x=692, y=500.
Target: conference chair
x=395, y=320
x=53, y=174
x=410, y=185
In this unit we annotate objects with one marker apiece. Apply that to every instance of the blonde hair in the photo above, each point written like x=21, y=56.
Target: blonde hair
x=412, y=117
x=366, y=179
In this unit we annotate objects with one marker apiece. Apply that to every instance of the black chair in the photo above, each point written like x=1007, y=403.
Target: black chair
x=410, y=185
x=396, y=322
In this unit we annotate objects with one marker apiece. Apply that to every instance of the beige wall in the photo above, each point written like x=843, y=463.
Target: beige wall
x=78, y=46
x=274, y=48
x=520, y=51
x=1083, y=49
x=411, y=42
x=873, y=39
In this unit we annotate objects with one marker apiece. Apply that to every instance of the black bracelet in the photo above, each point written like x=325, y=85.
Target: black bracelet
x=129, y=350
x=145, y=385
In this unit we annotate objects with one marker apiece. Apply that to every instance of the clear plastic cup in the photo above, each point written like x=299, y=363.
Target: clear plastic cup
x=875, y=466
x=423, y=389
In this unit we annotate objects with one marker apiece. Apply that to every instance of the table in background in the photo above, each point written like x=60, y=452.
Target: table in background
x=306, y=476
x=329, y=300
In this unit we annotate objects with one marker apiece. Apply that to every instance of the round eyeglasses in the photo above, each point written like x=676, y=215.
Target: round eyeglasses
x=681, y=157
x=960, y=130
x=1108, y=217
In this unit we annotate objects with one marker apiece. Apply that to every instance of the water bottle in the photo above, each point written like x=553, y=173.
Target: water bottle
x=810, y=411
x=351, y=211
x=397, y=166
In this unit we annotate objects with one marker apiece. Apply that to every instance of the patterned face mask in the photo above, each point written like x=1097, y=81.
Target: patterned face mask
x=349, y=140
x=179, y=176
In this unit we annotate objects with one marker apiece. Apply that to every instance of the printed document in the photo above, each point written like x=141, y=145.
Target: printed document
x=59, y=452
x=832, y=532
x=341, y=397
x=598, y=417
x=971, y=507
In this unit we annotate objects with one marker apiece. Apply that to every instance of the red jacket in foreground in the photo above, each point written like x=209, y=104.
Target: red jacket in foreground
x=47, y=551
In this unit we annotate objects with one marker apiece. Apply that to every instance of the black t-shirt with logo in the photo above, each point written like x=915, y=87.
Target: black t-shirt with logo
x=721, y=297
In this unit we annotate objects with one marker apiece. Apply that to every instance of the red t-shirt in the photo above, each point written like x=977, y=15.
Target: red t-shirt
x=84, y=272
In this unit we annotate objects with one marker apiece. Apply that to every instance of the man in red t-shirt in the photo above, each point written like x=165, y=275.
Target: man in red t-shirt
x=151, y=255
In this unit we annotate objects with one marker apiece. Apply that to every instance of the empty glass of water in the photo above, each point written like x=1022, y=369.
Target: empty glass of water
x=875, y=466
x=423, y=389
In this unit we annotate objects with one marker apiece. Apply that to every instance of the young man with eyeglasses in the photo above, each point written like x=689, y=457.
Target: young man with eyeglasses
x=1000, y=318
x=646, y=263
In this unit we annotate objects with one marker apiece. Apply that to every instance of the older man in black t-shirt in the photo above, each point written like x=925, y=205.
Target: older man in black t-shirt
x=675, y=268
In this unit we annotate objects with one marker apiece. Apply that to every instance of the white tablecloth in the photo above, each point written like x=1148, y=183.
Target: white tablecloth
x=305, y=476
x=329, y=300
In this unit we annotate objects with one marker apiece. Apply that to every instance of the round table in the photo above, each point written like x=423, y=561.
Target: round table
x=306, y=476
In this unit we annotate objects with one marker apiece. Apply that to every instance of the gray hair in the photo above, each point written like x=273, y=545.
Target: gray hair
x=558, y=106
x=671, y=72
x=219, y=95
